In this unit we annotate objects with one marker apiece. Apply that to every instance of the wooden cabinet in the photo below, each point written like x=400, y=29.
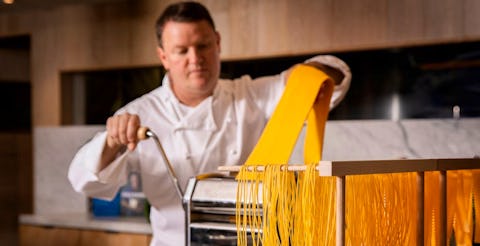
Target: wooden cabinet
x=41, y=235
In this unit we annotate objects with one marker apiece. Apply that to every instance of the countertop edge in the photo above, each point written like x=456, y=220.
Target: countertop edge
x=88, y=222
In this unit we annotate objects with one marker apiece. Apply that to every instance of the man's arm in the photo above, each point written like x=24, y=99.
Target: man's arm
x=85, y=175
x=99, y=167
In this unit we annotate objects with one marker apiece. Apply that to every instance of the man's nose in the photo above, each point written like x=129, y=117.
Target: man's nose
x=195, y=56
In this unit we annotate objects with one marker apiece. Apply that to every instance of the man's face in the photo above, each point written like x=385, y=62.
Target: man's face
x=191, y=54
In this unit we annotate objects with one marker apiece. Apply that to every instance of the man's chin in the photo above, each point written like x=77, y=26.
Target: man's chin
x=200, y=80
x=203, y=85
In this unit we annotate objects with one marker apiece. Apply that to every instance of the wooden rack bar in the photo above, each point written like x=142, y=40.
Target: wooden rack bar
x=344, y=168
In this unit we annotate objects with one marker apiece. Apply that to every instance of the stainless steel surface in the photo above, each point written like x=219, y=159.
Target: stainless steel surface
x=210, y=205
x=216, y=190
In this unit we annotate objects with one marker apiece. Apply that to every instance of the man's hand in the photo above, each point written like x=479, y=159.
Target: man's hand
x=121, y=133
x=333, y=73
x=336, y=69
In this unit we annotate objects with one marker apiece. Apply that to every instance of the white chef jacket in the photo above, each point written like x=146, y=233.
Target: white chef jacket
x=221, y=130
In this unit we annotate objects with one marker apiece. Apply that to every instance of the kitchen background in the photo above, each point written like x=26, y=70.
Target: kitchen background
x=66, y=65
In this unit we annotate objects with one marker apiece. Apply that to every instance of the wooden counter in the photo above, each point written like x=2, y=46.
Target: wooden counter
x=81, y=229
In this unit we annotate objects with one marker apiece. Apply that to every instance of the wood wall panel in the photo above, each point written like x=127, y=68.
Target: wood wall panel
x=359, y=23
x=472, y=19
x=15, y=65
x=223, y=21
x=444, y=19
x=23, y=143
x=76, y=30
x=108, y=35
x=405, y=21
x=8, y=189
x=272, y=28
x=241, y=34
x=12, y=24
x=143, y=40
x=110, y=42
x=15, y=182
x=307, y=32
x=44, y=71
x=79, y=37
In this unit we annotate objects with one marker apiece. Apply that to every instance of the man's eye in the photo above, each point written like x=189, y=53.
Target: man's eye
x=202, y=46
x=181, y=51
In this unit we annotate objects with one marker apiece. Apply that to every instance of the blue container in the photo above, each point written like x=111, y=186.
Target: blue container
x=105, y=208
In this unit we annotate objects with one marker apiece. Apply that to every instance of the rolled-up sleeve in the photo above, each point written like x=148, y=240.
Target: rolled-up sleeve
x=86, y=177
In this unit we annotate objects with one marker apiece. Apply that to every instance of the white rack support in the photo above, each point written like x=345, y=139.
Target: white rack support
x=340, y=216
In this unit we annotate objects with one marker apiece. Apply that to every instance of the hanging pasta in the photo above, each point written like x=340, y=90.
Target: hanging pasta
x=279, y=207
x=289, y=214
x=476, y=204
x=381, y=209
x=432, y=210
x=462, y=204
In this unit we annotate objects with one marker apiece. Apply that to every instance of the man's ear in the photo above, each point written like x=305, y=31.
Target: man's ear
x=161, y=55
x=219, y=39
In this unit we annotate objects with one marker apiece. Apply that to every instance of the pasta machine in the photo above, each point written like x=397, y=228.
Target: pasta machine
x=208, y=201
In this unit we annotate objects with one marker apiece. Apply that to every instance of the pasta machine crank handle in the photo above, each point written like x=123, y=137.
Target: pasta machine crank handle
x=144, y=133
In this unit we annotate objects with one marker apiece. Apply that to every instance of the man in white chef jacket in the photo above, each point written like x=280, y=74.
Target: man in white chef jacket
x=201, y=120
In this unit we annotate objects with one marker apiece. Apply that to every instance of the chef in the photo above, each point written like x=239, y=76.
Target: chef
x=201, y=120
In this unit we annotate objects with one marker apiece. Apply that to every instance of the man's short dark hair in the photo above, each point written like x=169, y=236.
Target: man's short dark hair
x=182, y=12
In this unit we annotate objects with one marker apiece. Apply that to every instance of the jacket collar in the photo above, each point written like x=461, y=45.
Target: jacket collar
x=198, y=118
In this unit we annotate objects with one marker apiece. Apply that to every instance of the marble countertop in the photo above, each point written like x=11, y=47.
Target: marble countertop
x=88, y=222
